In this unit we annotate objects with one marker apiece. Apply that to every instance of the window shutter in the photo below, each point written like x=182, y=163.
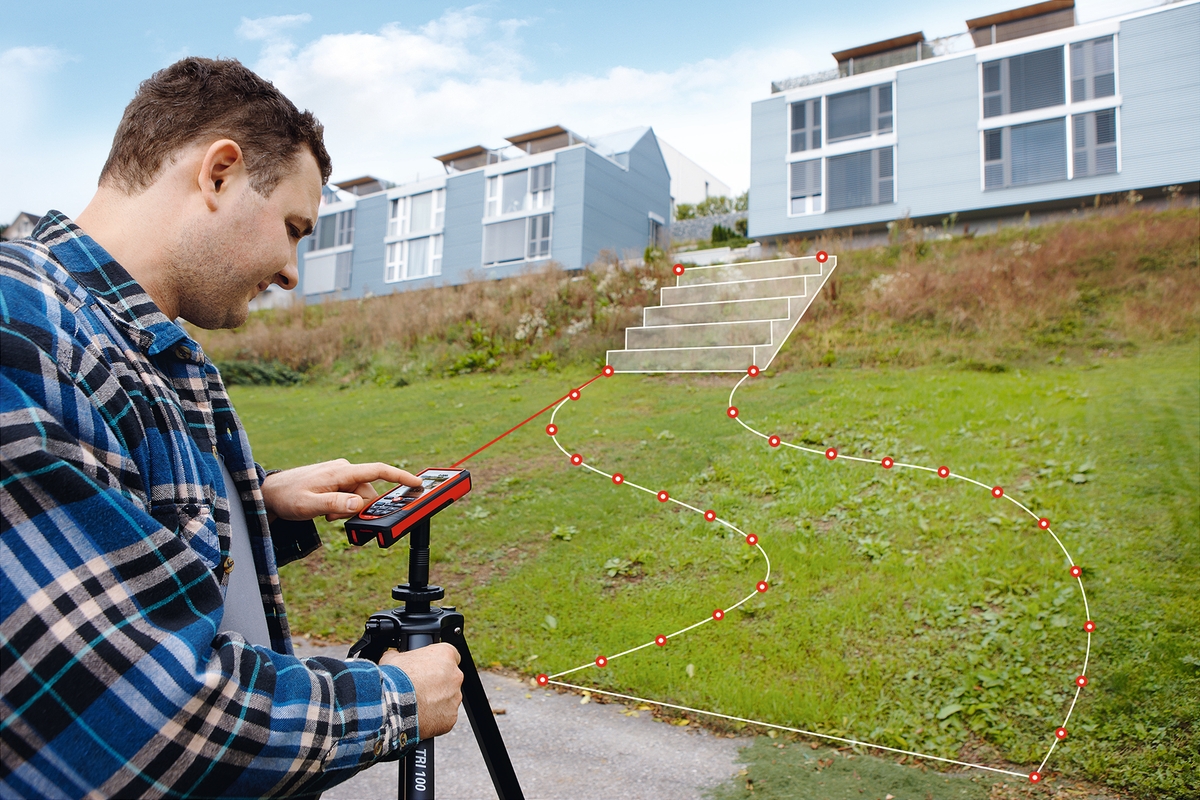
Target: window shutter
x=1039, y=152
x=850, y=181
x=342, y=270
x=849, y=114
x=504, y=241
x=1036, y=80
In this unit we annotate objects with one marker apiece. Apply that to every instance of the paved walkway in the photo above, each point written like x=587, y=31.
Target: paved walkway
x=562, y=749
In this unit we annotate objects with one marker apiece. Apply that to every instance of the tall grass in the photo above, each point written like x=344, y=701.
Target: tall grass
x=1104, y=284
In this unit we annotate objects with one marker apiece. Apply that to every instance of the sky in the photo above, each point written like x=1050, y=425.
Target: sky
x=398, y=83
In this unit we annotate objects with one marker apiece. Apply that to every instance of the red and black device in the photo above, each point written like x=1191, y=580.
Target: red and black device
x=403, y=508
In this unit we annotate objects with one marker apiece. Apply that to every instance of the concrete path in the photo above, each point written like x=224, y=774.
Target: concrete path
x=562, y=749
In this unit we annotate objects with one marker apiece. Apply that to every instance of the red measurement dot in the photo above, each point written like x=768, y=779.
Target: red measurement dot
x=732, y=412
x=577, y=459
x=718, y=614
x=1076, y=571
x=574, y=395
x=887, y=462
x=822, y=256
x=1089, y=626
x=710, y=515
x=997, y=491
x=677, y=269
x=663, y=497
x=543, y=679
x=601, y=661
x=608, y=371
x=751, y=538
x=1061, y=733
x=1044, y=524
x=618, y=478
x=753, y=371
x=773, y=441
x=831, y=453
x=762, y=586
x=551, y=429
x=660, y=640
x=943, y=472
x=1034, y=777
x=1081, y=680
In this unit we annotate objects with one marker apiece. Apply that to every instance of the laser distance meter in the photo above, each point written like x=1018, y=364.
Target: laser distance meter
x=396, y=513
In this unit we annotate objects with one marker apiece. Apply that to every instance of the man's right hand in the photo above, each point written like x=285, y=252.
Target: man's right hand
x=434, y=673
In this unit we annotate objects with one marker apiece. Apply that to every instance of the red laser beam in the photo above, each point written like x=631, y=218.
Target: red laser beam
x=464, y=459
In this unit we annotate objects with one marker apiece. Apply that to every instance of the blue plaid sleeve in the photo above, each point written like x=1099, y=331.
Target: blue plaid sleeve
x=114, y=678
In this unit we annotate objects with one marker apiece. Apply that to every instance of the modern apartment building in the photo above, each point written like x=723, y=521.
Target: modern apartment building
x=1025, y=110
x=550, y=195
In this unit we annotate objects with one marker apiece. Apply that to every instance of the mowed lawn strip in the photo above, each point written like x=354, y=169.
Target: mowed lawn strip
x=903, y=609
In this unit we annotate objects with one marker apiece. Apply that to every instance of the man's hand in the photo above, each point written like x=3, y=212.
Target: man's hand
x=337, y=489
x=437, y=681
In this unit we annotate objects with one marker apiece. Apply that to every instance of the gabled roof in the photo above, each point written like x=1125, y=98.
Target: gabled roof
x=619, y=142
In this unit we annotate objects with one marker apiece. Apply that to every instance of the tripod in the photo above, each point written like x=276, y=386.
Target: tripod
x=418, y=624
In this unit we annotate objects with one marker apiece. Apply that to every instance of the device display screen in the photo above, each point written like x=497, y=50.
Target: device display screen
x=404, y=496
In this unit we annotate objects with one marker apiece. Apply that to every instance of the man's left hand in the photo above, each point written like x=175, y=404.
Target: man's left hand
x=337, y=489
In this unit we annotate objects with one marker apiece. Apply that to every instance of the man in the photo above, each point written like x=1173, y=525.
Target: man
x=145, y=649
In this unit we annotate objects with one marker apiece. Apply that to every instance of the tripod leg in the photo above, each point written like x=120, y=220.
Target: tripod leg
x=416, y=769
x=479, y=713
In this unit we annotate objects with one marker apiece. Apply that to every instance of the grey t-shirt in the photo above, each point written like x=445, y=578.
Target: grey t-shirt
x=243, y=602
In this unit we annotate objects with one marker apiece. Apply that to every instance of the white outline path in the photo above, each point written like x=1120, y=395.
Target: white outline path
x=552, y=678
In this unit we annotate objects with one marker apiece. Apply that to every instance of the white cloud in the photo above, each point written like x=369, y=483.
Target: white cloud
x=393, y=99
x=270, y=27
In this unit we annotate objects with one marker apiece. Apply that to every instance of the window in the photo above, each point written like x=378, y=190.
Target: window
x=541, y=186
x=439, y=208
x=861, y=179
x=1023, y=83
x=420, y=217
x=394, y=264
x=657, y=235
x=806, y=187
x=503, y=242
x=1025, y=154
x=341, y=279
x=1092, y=69
x=397, y=216
x=493, y=197
x=334, y=230
x=806, y=125
x=435, y=255
x=1095, y=143
x=418, y=258
x=860, y=113
x=514, y=186
x=539, y=236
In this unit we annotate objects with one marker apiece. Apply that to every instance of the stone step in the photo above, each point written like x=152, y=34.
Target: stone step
x=750, y=270
x=730, y=311
x=792, y=286
x=684, y=359
x=706, y=334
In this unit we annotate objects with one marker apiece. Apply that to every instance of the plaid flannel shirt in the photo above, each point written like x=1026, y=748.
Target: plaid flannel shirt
x=114, y=558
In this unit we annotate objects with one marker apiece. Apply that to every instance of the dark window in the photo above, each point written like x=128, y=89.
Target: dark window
x=1025, y=154
x=806, y=125
x=1093, y=69
x=861, y=179
x=1095, y=143
x=860, y=112
x=1024, y=82
x=806, y=187
x=539, y=236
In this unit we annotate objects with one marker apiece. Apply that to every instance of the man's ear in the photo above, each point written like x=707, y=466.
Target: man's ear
x=222, y=166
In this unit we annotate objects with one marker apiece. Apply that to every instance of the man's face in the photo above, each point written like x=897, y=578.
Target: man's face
x=225, y=261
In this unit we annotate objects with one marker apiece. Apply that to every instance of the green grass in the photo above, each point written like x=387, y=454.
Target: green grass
x=903, y=609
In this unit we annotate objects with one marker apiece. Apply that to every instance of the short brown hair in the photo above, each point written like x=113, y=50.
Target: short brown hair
x=198, y=99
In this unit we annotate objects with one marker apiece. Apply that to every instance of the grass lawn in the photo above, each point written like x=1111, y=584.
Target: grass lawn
x=903, y=609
